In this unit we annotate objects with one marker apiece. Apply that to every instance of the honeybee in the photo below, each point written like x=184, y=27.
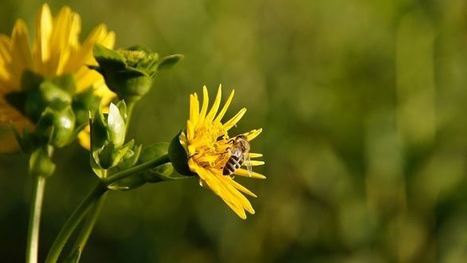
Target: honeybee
x=239, y=153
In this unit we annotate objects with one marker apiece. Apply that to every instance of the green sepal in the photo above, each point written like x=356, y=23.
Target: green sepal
x=40, y=163
x=169, y=61
x=104, y=156
x=96, y=167
x=133, y=181
x=28, y=141
x=119, y=154
x=121, y=105
x=178, y=156
x=109, y=127
x=39, y=99
x=129, y=84
x=131, y=158
x=65, y=82
x=98, y=126
x=110, y=156
x=30, y=80
x=84, y=103
x=140, y=59
x=127, y=72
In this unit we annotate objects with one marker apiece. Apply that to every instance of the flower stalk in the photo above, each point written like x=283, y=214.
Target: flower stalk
x=73, y=221
x=86, y=230
x=32, y=246
x=91, y=200
x=40, y=167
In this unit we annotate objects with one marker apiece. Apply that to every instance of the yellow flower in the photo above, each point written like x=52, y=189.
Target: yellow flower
x=207, y=144
x=55, y=50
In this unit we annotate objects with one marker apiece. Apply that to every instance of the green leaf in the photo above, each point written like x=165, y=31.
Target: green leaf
x=170, y=61
x=108, y=58
x=153, y=151
x=128, y=183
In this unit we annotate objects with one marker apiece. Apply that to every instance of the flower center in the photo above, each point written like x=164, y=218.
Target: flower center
x=212, y=144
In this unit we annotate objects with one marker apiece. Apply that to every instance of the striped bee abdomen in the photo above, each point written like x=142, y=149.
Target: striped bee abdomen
x=235, y=161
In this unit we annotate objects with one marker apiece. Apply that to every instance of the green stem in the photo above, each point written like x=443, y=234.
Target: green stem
x=136, y=169
x=86, y=229
x=35, y=219
x=129, y=113
x=73, y=221
x=93, y=197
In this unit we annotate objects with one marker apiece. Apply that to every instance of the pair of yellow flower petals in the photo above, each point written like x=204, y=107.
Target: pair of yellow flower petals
x=56, y=50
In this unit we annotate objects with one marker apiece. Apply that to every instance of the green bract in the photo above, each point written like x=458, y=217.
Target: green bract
x=51, y=103
x=130, y=72
x=40, y=163
x=178, y=156
x=109, y=152
x=57, y=124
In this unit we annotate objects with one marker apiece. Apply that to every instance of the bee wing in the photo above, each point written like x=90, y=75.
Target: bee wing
x=248, y=164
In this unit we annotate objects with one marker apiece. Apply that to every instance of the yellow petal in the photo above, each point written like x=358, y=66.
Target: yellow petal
x=20, y=51
x=5, y=44
x=44, y=27
x=230, y=123
x=204, y=107
x=190, y=130
x=227, y=192
x=255, y=155
x=215, y=105
x=86, y=78
x=230, y=194
x=194, y=109
x=108, y=41
x=84, y=138
x=253, y=134
x=67, y=26
x=253, y=163
x=246, y=173
x=241, y=188
x=226, y=106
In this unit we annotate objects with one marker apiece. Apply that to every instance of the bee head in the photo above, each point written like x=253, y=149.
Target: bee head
x=242, y=142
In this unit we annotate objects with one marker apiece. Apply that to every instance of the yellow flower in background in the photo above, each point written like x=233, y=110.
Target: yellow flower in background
x=55, y=50
x=209, y=149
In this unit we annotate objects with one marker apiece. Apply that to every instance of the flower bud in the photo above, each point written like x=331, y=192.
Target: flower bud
x=108, y=148
x=57, y=124
x=110, y=127
x=40, y=163
x=129, y=72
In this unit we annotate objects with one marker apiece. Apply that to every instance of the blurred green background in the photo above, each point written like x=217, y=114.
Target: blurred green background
x=363, y=107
